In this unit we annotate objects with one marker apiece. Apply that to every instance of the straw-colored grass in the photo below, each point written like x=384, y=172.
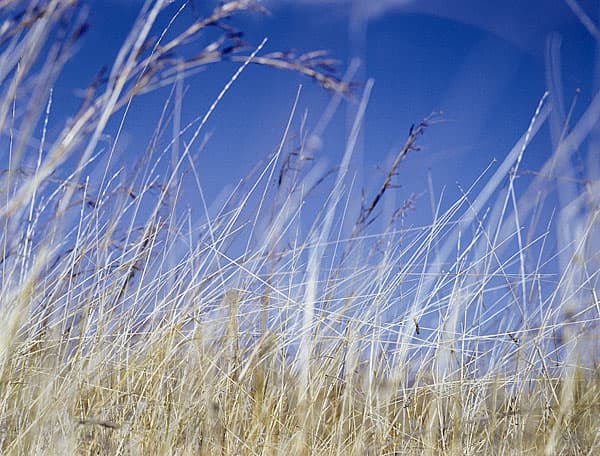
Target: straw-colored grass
x=132, y=326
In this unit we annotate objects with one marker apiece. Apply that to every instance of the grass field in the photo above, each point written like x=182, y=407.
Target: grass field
x=130, y=327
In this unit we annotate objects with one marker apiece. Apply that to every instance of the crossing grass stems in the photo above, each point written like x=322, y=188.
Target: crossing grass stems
x=130, y=327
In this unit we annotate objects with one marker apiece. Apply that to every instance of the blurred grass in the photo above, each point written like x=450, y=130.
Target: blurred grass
x=130, y=327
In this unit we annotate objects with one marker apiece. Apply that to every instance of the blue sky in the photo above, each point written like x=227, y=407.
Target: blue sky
x=484, y=64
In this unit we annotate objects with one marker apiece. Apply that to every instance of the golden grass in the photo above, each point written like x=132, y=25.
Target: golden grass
x=131, y=327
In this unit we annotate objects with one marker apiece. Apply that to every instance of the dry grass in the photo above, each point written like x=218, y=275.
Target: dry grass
x=130, y=326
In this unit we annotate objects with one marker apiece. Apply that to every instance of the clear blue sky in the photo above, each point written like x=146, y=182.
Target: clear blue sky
x=483, y=63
